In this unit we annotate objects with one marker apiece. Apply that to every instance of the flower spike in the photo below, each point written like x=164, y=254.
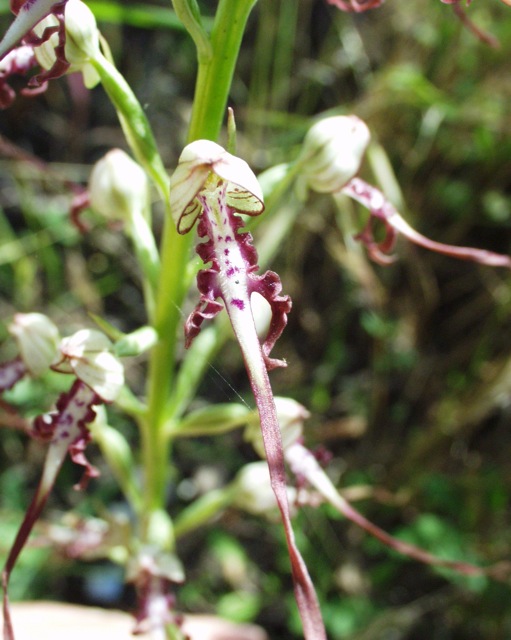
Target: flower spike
x=214, y=186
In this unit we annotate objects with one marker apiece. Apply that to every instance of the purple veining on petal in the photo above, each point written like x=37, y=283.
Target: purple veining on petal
x=69, y=422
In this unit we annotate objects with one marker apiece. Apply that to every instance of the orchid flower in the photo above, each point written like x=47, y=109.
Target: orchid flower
x=381, y=209
x=98, y=379
x=331, y=156
x=212, y=186
x=22, y=59
x=64, y=37
x=59, y=37
x=308, y=472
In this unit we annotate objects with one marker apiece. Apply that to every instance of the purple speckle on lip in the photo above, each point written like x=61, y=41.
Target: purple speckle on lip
x=226, y=252
x=230, y=272
x=238, y=303
x=228, y=239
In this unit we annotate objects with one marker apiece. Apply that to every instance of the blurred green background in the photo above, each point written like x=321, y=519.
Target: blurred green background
x=406, y=369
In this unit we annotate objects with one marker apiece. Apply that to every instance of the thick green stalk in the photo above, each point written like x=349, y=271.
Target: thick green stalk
x=212, y=89
x=215, y=74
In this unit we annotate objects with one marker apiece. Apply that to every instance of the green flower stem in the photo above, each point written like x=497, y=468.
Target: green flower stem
x=204, y=509
x=117, y=453
x=216, y=72
x=188, y=12
x=148, y=257
x=212, y=90
x=134, y=123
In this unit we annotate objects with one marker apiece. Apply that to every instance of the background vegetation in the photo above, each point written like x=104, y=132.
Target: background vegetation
x=404, y=368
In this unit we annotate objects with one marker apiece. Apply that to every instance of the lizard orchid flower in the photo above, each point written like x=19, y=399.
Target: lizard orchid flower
x=59, y=37
x=212, y=186
x=331, y=156
x=98, y=379
x=309, y=474
x=22, y=59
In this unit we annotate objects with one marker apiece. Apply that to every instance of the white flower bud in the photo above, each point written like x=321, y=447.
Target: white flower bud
x=37, y=339
x=291, y=415
x=332, y=153
x=87, y=354
x=254, y=493
x=118, y=186
x=82, y=36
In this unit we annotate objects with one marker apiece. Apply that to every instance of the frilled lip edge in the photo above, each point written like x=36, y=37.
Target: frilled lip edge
x=268, y=285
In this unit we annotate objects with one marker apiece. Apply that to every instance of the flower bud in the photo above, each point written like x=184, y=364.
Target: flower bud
x=254, y=492
x=37, y=339
x=87, y=354
x=118, y=186
x=82, y=36
x=137, y=342
x=291, y=415
x=332, y=153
